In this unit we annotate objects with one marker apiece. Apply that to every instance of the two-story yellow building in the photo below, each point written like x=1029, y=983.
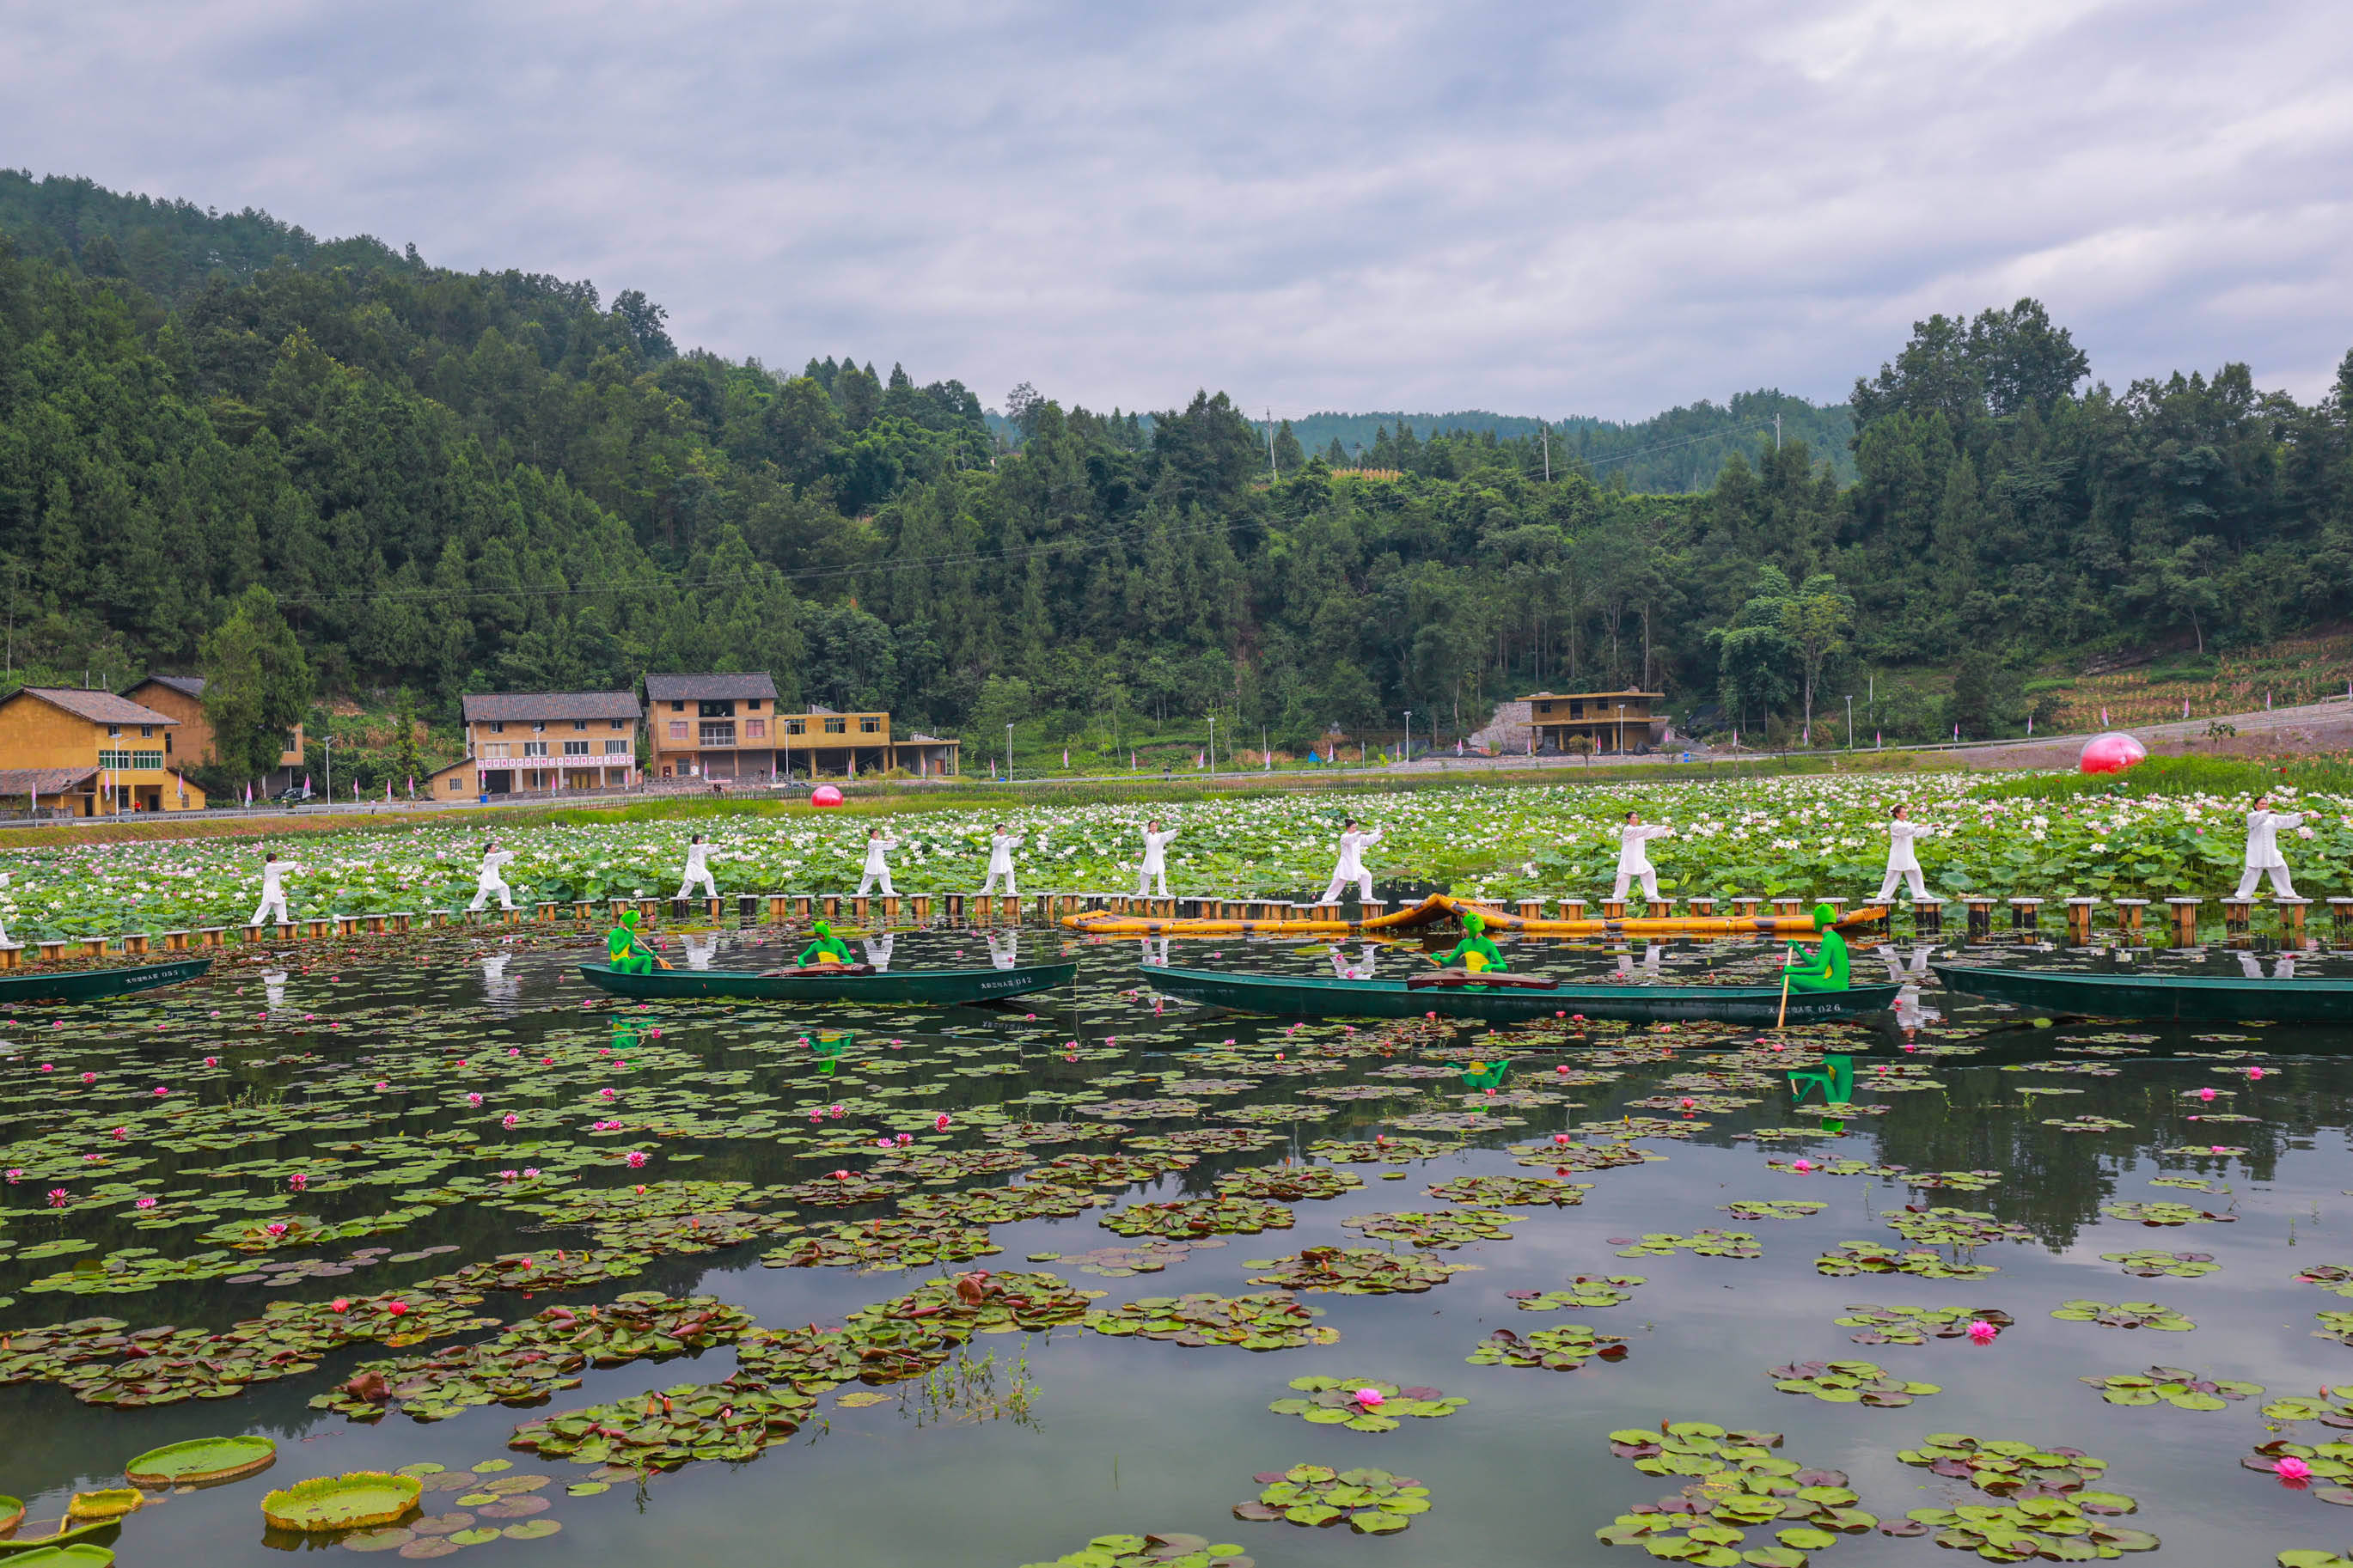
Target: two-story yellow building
x=1608, y=721
x=182, y=697
x=535, y=742
x=91, y=752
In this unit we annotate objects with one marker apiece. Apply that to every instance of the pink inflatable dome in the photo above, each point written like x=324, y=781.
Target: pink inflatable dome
x=2110, y=753
x=826, y=794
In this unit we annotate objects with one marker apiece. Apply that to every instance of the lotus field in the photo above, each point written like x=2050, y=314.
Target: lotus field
x=1825, y=836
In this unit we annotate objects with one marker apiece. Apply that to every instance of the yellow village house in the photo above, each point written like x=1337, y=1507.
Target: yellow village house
x=91, y=753
x=182, y=697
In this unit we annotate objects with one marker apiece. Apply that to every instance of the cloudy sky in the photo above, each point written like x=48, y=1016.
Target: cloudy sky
x=1538, y=208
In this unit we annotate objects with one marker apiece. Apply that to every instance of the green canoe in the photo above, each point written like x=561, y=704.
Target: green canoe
x=94, y=984
x=2183, y=998
x=885, y=988
x=1324, y=996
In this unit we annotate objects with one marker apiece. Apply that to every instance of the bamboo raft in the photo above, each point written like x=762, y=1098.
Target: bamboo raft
x=1443, y=907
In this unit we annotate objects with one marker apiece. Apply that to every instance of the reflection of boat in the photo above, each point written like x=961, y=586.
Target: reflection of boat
x=1323, y=996
x=2187, y=998
x=896, y=987
x=94, y=984
x=1445, y=906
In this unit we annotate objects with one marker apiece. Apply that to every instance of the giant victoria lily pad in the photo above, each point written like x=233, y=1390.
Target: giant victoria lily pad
x=1371, y=1502
x=357, y=1499
x=202, y=1461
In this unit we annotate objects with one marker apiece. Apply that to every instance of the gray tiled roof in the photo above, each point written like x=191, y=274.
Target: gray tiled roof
x=185, y=685
x=708, y=687
x=529, y=707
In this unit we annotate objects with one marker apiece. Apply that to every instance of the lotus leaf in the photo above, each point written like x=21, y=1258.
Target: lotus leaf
x=357, y=1499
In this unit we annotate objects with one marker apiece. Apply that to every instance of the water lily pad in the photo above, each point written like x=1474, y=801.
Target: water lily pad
x=2123, y=1315
x=1371, y=1502
x=202, y=1461
x=356, y=1499
x=1363, y=1405
x=2172, y=1385
x=1916, y=1325
x=1849, y=1382
x=1352, y=1271
x=1276, y=1320
x=1563, y=1349
x=2149, y=1263
x=1584, y=1291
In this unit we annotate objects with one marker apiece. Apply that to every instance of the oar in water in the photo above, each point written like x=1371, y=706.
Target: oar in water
x=1782, y=1017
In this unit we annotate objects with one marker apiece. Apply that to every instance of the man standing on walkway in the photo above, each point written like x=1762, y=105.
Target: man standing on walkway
x=698, y=870
x=2264, y=854
x=492, y=877
x=1156, y=860
x=274, y=873
x=877, y=868
x=1002, y=845
x=1634, y=856
x=1350, y=868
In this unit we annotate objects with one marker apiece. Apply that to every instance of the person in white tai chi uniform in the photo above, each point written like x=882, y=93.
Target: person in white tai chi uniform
x=698, y=870
x=1002, y=845
x=274, y=873
x=1351, y=865
x=2264, y=854
x=876, y=868
x=1903, y=860
x=1634, y=856
x=1156, y=860
x=493, y=878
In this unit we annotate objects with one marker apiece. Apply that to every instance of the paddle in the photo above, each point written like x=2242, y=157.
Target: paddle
x=1783, y=1016
x=1449, y=978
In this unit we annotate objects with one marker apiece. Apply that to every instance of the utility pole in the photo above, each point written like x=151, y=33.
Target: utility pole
x=1408, y=734
x=1271, y=469
x=1213, y=747
x=1850, y=720
x=1008, y=753
x=1776, y=432
x=1546, y=430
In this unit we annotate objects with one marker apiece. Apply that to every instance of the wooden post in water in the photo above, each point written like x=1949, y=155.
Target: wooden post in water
x=1928, y=916
x=2079, y=920
x=1981, y=916
x=2184, y=913
x=1572, y=908
x=2128, y=911
x=2025, y=914
x=2236, y=915
x=2291, y=914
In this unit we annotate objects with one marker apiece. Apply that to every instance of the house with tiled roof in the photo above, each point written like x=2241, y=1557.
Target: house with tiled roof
x=532, y=742
x=718, y=726
x=92, y=753
x=182, y=697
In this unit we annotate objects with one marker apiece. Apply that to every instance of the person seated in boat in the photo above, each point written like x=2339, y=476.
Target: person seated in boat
x=826, y=949
x=1827, y=971
x=1475, y=951
x=627, y=952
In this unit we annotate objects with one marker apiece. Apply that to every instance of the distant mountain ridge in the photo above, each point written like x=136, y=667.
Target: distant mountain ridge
x=1680, y=451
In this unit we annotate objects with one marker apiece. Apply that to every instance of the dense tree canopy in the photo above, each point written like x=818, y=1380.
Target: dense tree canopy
x=452, y=483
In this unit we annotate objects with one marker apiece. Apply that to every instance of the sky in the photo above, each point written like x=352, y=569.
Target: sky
x=1538, y=208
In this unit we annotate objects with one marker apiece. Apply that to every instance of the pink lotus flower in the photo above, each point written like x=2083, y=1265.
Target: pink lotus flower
x=1371, y=1398
x=275, y=1227
x=2206, y=1094
x=89, y=1077
x=398, y=1309
x=637, y=1158
x=144, y=1204
x=1801, y=1166
x=1982, y=1333
x=2292, y=1470
x=161, y=1091
x=509, y=1120
x=939, y=1122
x=340, y=1304
x=473, y=1100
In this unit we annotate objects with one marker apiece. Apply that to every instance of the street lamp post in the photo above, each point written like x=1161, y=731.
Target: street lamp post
x=1622, y=730
x=327, y=745
x=1213, y=747
x=1850, y=720
x=1008, y=753
x=1408, y=734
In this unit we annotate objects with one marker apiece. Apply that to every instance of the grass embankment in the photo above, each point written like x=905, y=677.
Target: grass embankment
x=888, y=797
x=2182, y=776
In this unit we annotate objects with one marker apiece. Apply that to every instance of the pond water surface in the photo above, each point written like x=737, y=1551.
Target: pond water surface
x=342, y=1067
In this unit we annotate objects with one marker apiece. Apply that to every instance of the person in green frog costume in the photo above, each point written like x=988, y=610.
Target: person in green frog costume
x=825, y=946
x=1827, y=971
x=1474, y=953
x=628, y=955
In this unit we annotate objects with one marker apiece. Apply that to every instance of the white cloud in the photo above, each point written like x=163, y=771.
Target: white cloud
x=1528, y=207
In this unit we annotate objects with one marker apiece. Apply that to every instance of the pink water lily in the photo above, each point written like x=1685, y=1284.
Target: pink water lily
x=2292, y=1470
x=144, y=1204
x=473, y=1100
x=1982, y=1333
x=340, y=1304
x=121, y=1133
x=1560, y=1137
x=275, y=1227
x=2254, y=1073
x=509, y=1120
x=1801, y=1165
x=939, y=1122
x=884, y=1143
x=56, y=1197
x=212, y=1062
x=1371, y=1398
x=161, y=1091
x=506, y=1175
x=2206, y=1094
x=530, y=1171
x=398, y=1309
x=606, y=1093
x=906, y=1137
x=89, y=1077
x=297, y=1181
x=637, y=1158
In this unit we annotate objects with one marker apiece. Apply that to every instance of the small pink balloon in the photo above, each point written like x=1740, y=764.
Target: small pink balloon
x=825, y=795
x=2110, y=753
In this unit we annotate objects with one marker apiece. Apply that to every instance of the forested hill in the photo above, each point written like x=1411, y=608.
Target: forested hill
x=1682, y=450
x=456, y=481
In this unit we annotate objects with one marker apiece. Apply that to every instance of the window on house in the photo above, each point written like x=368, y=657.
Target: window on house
x=677, y=708
x=539, y=727
x=664, y=769
x=795, y=726
x=618, y=723
x=869, y=724
x=114, y=731
x=1544, y=707
x=146, y=731
x=718, y=733
x=498, y=749
x=534, y=748
x=716, y=708
x=498, y=726
x=580, y=724
x=617, y=748
x=837, y=726
x=575, y=748
x=130, y=761
x=167, y=745
x=756, y=728
x=456, y=783
x=677, y=733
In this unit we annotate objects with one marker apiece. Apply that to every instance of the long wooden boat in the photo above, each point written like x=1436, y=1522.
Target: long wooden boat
x=1440, y=906
x=1326, y=996
x=96, y=984
x=886, y=987
x=2184, y=998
